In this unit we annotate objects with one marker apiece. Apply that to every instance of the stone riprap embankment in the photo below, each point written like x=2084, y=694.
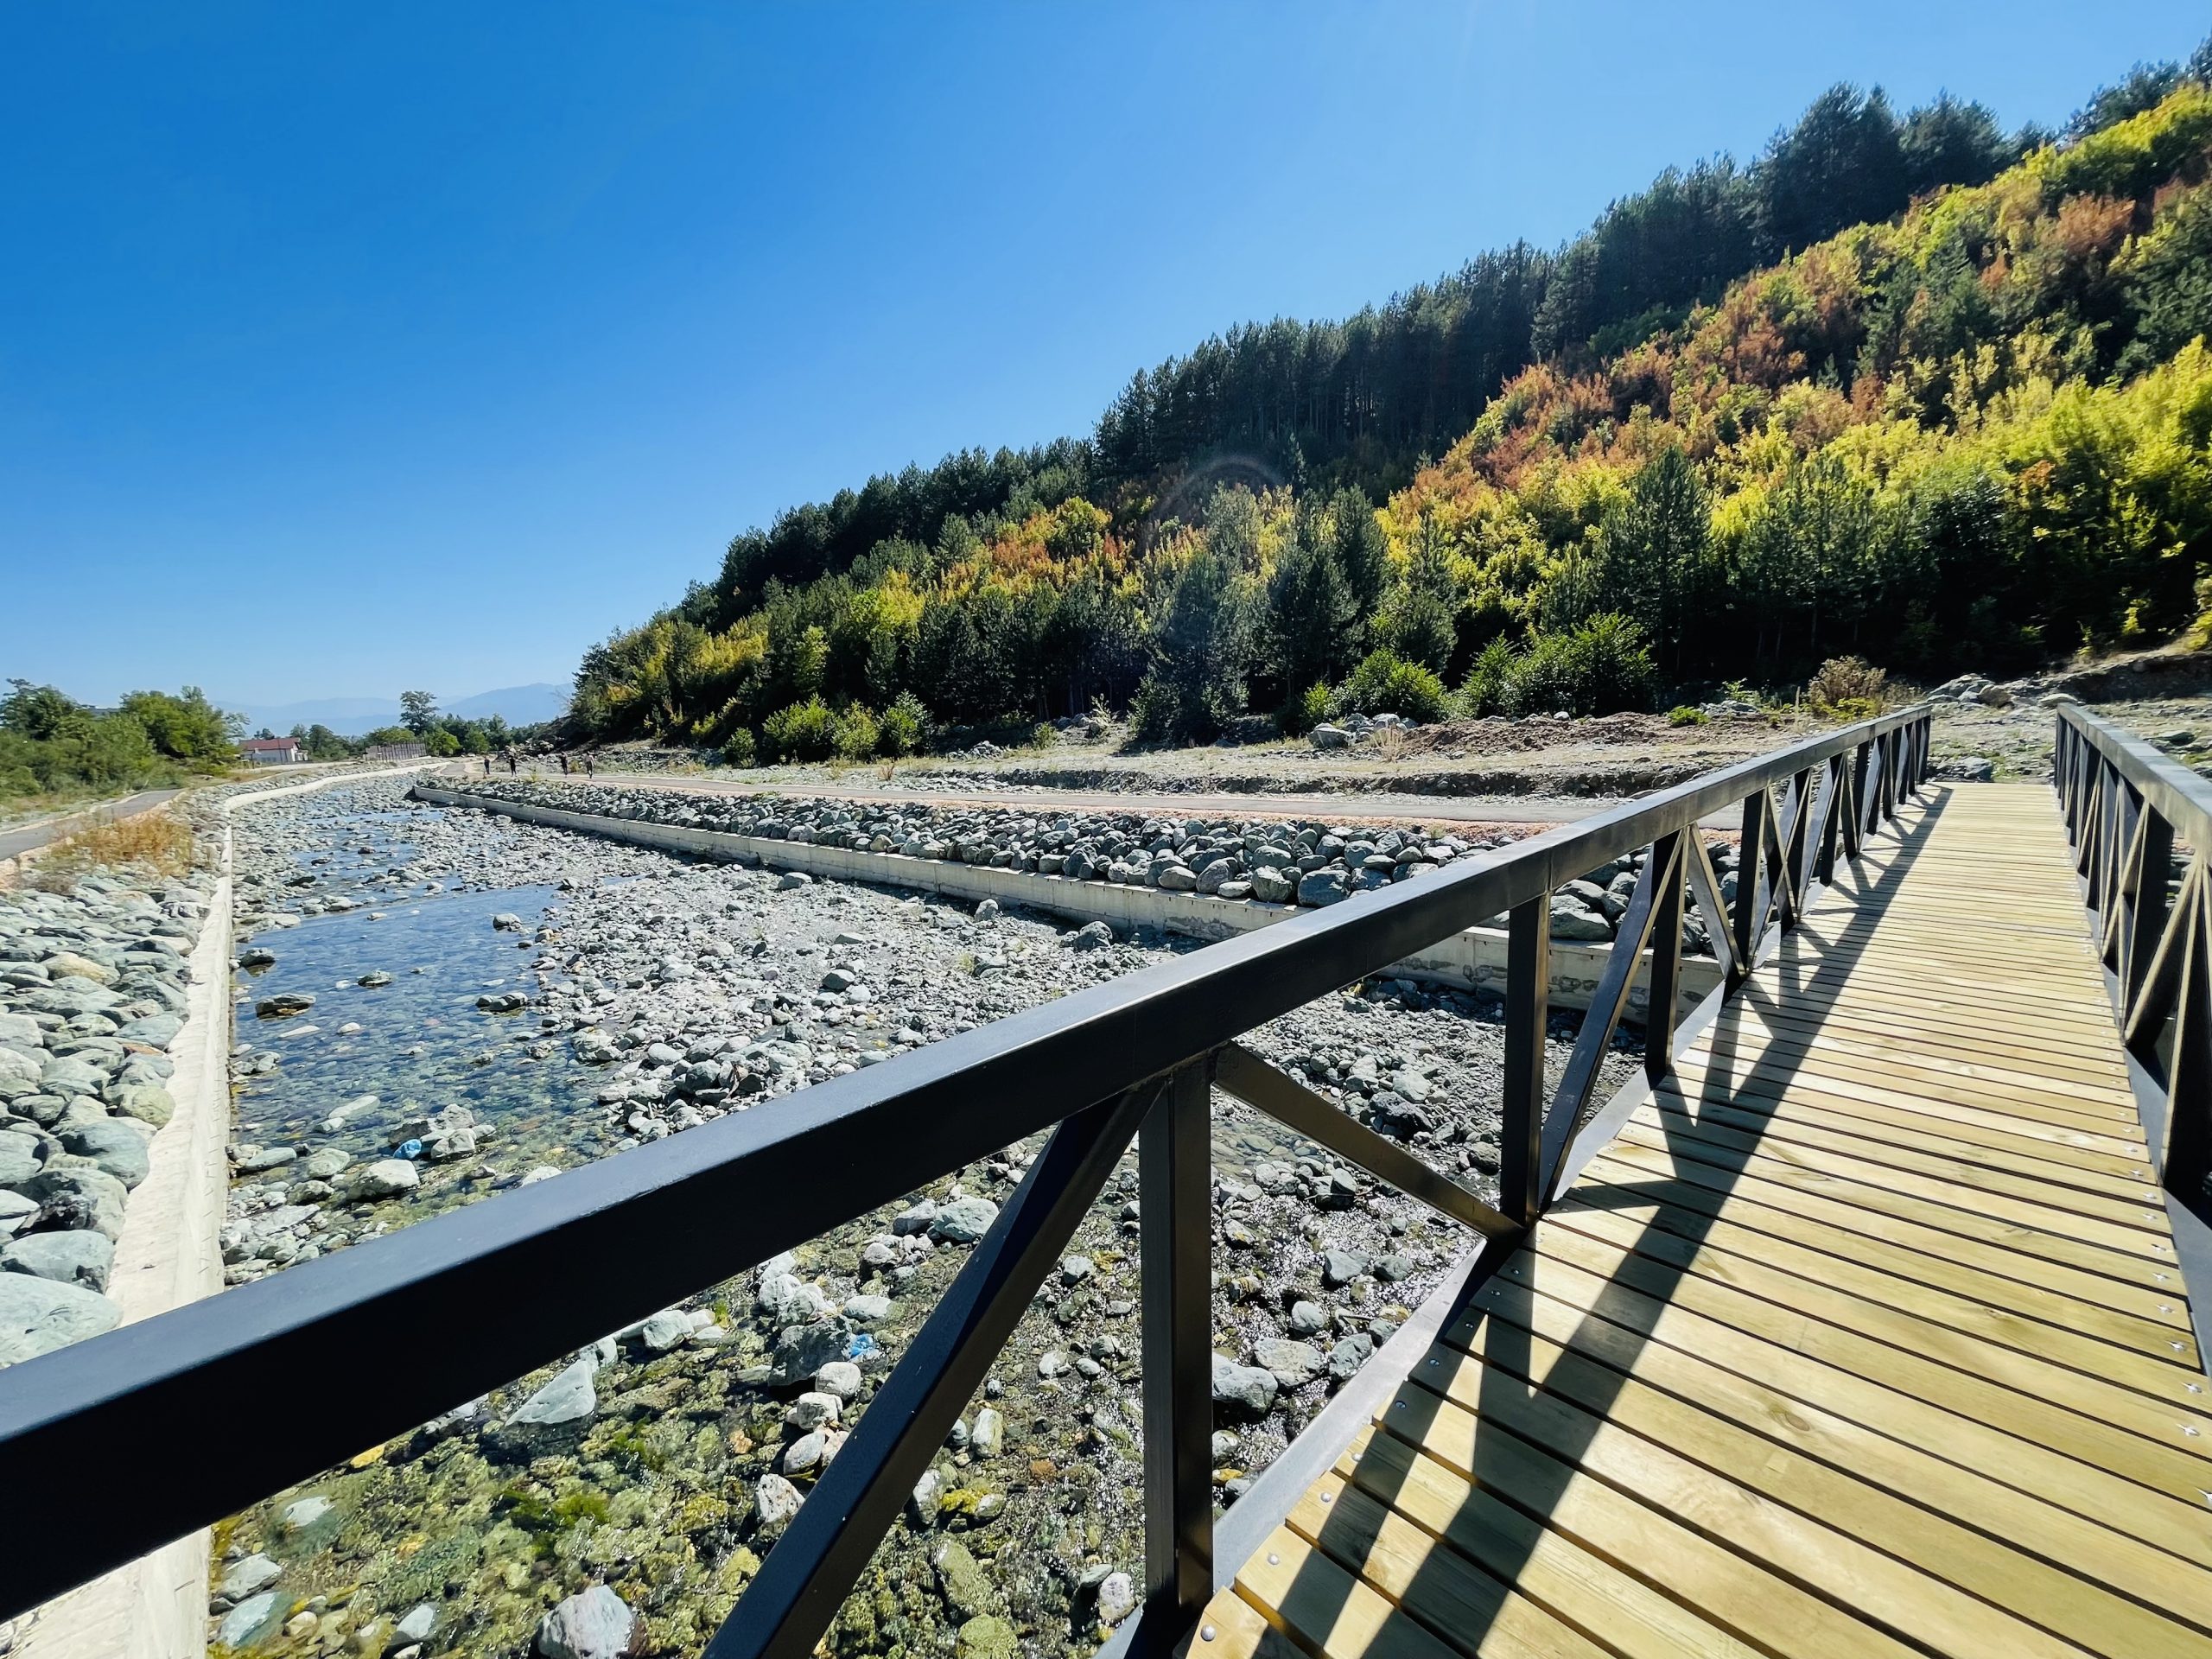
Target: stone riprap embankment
x=94, y=978
x=1263, y=861
x=636, y=1484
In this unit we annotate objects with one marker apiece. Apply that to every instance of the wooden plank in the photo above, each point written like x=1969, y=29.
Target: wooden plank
x=2039, y=1561
x=1239, y=1632
x=2014, y=1448
x=1898, y=1278
x=2159, y=1376
x=1767, y=1610
x=1427, y=1578
x=2055, y=1057
x=1623, y=1614
x=1333, y=1615
x=1867, y=1158
x=1449, y=1424
x=1632, y=1163
x=1842, y=1121
x=2166, y=1422
x=2003, y=1276
x=1860, y=1184
x=2093, y=1087
x=1902, y=1097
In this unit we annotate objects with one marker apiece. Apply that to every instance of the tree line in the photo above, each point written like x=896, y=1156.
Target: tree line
x=1904, y=386
x=51, y=744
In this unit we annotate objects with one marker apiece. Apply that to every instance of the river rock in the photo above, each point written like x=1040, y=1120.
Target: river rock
x=252, y=1622
x=387, y=1178
x=594, y=1624
x=67, y=964
x=283, y=1005
x=1242, y=1390
x=1117, y=1598
x=775, y=1503
x=249, y=1577
x=417, y=1626
x=964, y=1220
x=1292, y=1364
x=553, y=1417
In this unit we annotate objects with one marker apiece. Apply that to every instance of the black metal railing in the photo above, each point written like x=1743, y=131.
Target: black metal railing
x=500, y=1287
x=2132, y=814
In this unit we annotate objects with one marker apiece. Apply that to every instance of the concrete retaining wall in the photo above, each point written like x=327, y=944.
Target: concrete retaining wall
x=1472, y=960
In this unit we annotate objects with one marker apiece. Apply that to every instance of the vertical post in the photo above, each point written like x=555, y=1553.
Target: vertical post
x=1527, y=1007
x=2187, y=1154
x=1832, y=821
x=1806, y=787
x=1855, y=827
x=1667, y=856
x=2145, y=910
x=1175, y=1218
x=1751, y=890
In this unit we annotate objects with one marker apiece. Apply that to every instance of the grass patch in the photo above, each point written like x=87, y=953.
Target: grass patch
x=160, y=840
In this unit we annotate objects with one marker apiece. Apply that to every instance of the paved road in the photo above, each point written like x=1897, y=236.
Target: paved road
x=1413, y=808
x=14, y=843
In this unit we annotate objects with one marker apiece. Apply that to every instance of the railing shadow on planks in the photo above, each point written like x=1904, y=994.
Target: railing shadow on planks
x=2132, y=814
x=1133, y=1059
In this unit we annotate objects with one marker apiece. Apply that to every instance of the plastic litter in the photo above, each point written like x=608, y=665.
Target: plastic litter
x=860, y=1345
x=411, y=1149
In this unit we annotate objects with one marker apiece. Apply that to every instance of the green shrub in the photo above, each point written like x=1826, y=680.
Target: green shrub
x=1305, y=710
x=1043, y=736
x=738, y=749
x=853, y=732
x=904, y=726
x=1599, y=668
x=1683, y=714
x=1155, y=710
x=1612, y=665
x=1850, y=680
x=1386, y=683
x=1855, y=708
x=1485, y=690
x=799, y=731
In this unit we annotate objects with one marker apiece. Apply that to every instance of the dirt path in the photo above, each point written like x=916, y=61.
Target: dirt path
x=16, y=842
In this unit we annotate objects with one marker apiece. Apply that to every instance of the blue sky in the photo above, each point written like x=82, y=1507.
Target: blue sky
x=345, y=350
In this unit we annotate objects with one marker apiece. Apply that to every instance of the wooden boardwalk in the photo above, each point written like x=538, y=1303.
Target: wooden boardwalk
x=1864, y=1337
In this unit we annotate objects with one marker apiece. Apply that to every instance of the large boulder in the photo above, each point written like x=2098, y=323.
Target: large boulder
x=80, y=1256
x=1571, y=918
x=117, y=1145
x=38, y=1315
x=1323, y=887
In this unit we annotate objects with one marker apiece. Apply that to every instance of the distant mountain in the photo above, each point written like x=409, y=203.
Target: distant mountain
x=520, y=705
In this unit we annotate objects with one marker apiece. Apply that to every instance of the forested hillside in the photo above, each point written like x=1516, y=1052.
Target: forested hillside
x=1903, y=387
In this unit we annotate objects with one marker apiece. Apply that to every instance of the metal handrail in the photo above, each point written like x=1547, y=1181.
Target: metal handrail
x=2126, y=806
x=634, y=1232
